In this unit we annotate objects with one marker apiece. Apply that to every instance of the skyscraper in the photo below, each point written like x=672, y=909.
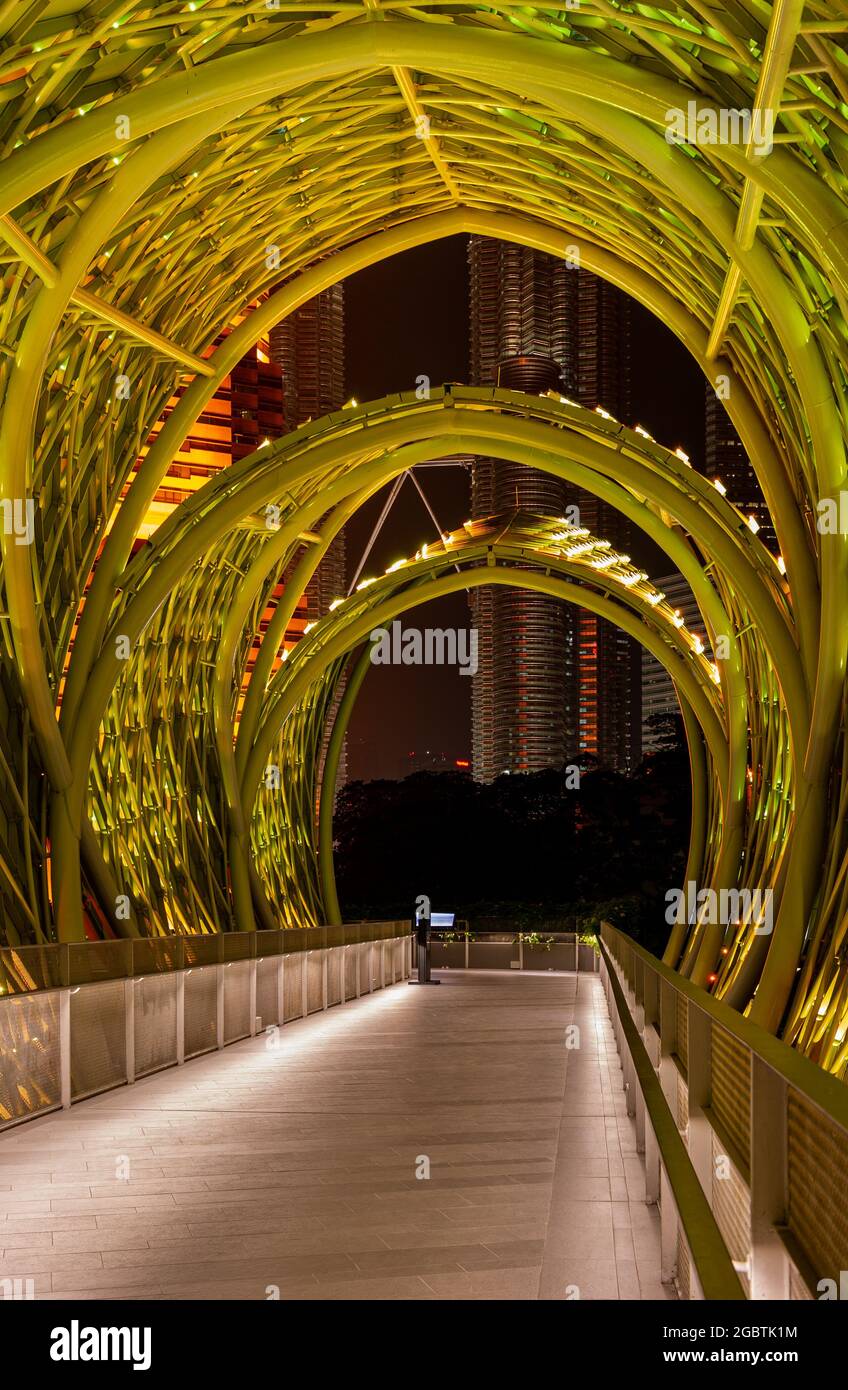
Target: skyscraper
x=309, y=348
x=726, y=459
x=658, y=693
x=555, y=683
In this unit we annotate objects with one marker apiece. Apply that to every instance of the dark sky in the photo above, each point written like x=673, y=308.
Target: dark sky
x=406, y=317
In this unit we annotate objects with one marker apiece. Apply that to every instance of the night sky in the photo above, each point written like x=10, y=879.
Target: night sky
x=406, y=317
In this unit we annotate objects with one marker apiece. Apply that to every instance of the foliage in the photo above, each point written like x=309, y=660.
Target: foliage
x=527, y=851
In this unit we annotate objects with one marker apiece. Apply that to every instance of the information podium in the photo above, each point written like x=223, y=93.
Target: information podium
x=422, y=925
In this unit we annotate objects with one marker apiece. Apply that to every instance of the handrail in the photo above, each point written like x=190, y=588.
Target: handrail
x=61, y=965
x=825, y=1091
x=716, y=1274
x=777, y=1122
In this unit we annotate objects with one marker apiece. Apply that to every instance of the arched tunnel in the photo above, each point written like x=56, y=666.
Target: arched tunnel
x=180, y=179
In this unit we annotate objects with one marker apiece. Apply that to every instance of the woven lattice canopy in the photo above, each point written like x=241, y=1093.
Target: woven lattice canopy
x=179, y=177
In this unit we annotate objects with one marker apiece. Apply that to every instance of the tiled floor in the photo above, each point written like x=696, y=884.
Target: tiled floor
x=294, y=1168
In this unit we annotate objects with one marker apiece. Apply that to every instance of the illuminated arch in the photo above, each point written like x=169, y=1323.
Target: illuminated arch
x=148, y=166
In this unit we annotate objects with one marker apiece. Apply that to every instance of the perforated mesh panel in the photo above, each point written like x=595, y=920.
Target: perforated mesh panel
x=201, y=1010
x=236, y=1000
x=397, y=952
x=155, y=1023
x=334, y=976
x=314, y=982
x=98, y=1039
x=267, y=974
x=731, y=1206
x=93, y=961
x=29, y=1046
x=818, y=1184
x=364, y=968
x=731, y=1090
x=293, y=987
x=351, y=966
x=683, y=1031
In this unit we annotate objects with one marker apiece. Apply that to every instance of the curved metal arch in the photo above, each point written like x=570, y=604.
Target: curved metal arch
x=560, y=130
x=423, y=580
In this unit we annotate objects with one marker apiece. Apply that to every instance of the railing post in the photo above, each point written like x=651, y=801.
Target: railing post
x=769, y=1259
x=699, y=1079
x=325, y=972
x=343, y=968
x=251, y=993
x=129, y=1028
x=65, y=1048
x=651, y=1019
x=304, y=985
x=652, y=1166
x=668, y=1043
x=219, y=1004
x=281, y=992
x=639, y=995
x=181, y=981
x=668, y=1230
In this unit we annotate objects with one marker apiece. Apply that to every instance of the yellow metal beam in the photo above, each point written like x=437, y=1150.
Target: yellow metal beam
x=44, y=268
x=774, y=69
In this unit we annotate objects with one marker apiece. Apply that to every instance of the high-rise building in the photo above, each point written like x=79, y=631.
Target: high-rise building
x=308, y=346
x=658, y=694
x=555, y=683
x=726, y=460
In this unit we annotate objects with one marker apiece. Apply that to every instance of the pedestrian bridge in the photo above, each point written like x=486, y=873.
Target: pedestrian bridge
x=607, y=1133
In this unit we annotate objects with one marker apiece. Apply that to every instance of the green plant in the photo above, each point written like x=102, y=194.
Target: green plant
x=534, y=940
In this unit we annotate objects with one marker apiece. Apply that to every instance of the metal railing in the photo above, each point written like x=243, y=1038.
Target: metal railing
x=489, y=948
x=764, y=1130
x=80, y=1018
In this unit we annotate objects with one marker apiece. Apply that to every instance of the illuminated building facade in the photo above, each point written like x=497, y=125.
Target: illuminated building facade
x=658, y=693
x=554, y=683
x=726, y=459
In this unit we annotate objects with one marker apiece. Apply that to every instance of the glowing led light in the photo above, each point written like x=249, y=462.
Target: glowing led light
x=681, y=454
x=715, y=674
x=697, y=644
x=335, y=604
x=398, y=564
x=719, y=486
x=265, y=443
x=365, y=583
x=677, y=619
x=308, y=628
x=781, y=564
x=644, y=433
x=753, y=524
x=655, y=598
x=599, y=410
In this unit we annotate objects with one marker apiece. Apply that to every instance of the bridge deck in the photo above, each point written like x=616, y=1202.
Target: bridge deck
x=295, y=1166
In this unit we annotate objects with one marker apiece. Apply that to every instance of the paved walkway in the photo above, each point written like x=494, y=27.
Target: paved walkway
x=294, y=1168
